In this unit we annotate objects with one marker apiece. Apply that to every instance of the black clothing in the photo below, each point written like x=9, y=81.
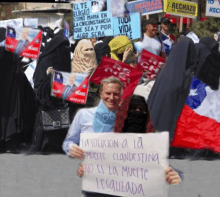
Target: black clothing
x=57, y=55
x=171, y=87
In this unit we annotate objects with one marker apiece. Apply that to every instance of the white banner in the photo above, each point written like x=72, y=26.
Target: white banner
x=12, y=22
x=125, y=164
x=213, y=8
x=31, y=22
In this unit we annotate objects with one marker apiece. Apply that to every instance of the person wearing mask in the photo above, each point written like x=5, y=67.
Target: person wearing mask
x=151, y=42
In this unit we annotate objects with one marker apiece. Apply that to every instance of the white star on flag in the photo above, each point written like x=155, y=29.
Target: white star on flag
x=193, y=92
x=10, y=31
x=58, y=76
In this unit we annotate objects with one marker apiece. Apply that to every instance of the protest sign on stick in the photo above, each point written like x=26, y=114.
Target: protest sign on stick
x=182, y=8
x=129, y=26
x=145, y=7
x=92, y=19
x=25, y=42
x=150, y=64
x=125, y=164
x=128, y=75
x=213, y=8
x=72, y=87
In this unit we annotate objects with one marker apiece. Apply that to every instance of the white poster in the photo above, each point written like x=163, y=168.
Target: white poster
x=117, y=8
x=29, y=72
x=213, y=8
x=125, y=164
x=31, y=22
x=12, y=22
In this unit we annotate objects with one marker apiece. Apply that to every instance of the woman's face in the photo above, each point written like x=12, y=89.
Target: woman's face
x=133, y=108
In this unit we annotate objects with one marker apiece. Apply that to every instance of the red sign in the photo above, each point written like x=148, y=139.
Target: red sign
x=128, y=75
x=25, y=42
x=72, y=87
x=150, y=64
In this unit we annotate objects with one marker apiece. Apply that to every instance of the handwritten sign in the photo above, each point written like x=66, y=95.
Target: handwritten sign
x=31, y=22
x=125, y=164
x=18, y=22
x=92, y=19
x=129, y=26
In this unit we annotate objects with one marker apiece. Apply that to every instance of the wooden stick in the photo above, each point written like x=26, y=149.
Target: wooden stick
x=181, y=24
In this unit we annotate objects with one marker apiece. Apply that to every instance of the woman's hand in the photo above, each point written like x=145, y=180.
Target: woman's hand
x=126, y=53
x=80, y=170
x=172, y=177
x=49, y=70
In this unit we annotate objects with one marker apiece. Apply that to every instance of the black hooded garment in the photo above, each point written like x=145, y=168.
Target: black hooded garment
x=210, y=70
x=57, y=55
x=15, y=122
x=171, y=87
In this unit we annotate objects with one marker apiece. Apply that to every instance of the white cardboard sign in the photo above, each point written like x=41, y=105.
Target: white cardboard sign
x=125, y=164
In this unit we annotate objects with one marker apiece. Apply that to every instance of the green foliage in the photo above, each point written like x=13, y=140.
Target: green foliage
x=207, y=28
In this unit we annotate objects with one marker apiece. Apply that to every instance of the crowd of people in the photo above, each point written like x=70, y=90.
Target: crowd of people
x=155, y=105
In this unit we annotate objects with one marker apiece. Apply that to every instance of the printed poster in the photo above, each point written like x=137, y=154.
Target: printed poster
x=213, y=8
x=92, y=19
x=25, y=42
x=66, y=30
x=150, y=64
x=128, y=75
x=145, y=7
x=129, y=26
x=182, y=8
x=72, y=87
x=125, y=164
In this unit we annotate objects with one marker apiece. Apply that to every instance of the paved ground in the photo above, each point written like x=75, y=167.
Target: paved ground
x=55, y=176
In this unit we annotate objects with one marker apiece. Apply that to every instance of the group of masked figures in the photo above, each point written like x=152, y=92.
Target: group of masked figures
x=160, y=107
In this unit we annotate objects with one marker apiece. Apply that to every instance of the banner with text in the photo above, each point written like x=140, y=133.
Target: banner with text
x=92, y=19
x=66, y=30
x=145, y=7
x=128, y=75
x=125, y=164
x=129, y=26
x=17, y=22
x=72, y=87
x=25, y=42
x=182, y=8
x=150, y=64
x=213, y=8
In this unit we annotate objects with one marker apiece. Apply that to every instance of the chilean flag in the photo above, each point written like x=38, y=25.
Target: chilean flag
x=198, y=126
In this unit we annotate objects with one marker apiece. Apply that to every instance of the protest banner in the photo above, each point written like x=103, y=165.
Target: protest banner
x=128, y=75
x=66, y=30
x=150, y=64
x=117, y=8
x=25, y=42
x=145, y=7
x=92, y=19
x=31, y=22
x=72, y=87
x=125, y=164
x=182, y=8
x=29, y=72
x=213, y=8
x=129, y=26
x=165, y=5
x=18, y=22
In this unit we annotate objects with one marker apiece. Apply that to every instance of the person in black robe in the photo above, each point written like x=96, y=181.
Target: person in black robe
x=56, y=55
x=13, y=114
